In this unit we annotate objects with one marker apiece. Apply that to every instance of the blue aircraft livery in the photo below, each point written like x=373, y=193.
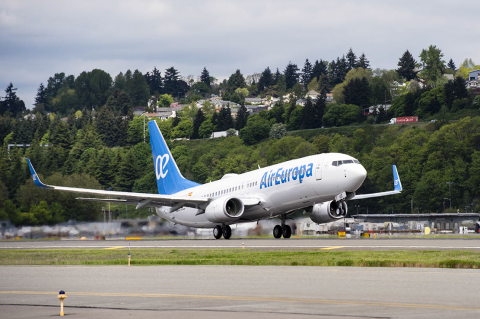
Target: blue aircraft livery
x=282, y=176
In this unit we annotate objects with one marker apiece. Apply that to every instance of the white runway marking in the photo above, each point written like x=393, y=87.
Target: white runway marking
x=239, y=247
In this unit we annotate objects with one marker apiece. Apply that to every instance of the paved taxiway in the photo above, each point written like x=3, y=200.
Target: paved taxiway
x=292, y=243
x=238, y=291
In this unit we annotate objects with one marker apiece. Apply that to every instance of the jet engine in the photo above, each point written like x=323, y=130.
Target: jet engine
x=224, y=209
x=328, y=211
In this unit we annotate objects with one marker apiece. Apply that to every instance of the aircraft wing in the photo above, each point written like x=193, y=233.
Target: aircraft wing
x=396, y=183
x=139, y=199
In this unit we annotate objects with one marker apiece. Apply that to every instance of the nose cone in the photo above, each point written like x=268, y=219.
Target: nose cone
x=356, y=175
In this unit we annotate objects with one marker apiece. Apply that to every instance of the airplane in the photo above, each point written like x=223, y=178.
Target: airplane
x=319, y=184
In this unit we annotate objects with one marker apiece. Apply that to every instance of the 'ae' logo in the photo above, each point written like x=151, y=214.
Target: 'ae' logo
x=160, y=164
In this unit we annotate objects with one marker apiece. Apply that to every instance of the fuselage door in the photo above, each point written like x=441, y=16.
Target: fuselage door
x=318, y=169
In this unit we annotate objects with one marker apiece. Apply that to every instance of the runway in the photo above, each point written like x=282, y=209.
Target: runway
x=238, y=291
x=292, y=243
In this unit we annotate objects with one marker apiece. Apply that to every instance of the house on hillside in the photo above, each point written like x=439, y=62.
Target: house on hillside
x=312, y=94
x=473, y=75
x=473, y=84
x=254, y=100
x=450, y=77
x=329, y=97
x=138, y=110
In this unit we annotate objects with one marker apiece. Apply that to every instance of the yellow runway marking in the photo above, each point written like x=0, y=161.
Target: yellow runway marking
x=119, y=247
x=328, y=248
x=263, y=299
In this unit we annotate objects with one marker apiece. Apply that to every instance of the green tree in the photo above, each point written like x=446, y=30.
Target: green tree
x=357, y=92
x=257, y=128
x=119, y=83
x=432, y=66
x=236, y=81
x=451, y=66
x=266, y=79
x=165, y=100
x=308, y=115
x=154, y=81
x=171, y=82
x=406, y=66
x=339, y=115
x=431, y=101
x=242, y=117
x=42, y=213
x=127, y=173
x=205, y=77
x=291, y=75
x=351, y=60
x=307, y=73
x=183, y=130
x=11, y=102
x=197, y=122
x=199, y=89
x=137, y=129
x=41, y=97
x=278, y=131
x=225, y=120
x=363, y=62
x=120, y=102
x=242, y=92
x=93, y=88
x=105, y=174
x=206, y=128
x=138, y=89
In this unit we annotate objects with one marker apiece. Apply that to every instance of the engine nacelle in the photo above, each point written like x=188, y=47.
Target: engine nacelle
x=328, y=211
x=224, y=209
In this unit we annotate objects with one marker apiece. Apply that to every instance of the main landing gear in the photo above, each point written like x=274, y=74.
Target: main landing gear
x=218, y=231
x=283, y=229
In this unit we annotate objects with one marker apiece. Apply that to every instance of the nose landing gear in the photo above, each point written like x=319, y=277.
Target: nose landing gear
x=218, y=231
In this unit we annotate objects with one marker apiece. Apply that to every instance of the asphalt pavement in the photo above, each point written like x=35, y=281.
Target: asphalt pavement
x=472, y=243
x=238, y=291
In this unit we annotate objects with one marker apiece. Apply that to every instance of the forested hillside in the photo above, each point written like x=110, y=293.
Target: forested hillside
x=82, y=132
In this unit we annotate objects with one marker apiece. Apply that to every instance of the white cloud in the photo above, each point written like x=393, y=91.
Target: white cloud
x=40, y=38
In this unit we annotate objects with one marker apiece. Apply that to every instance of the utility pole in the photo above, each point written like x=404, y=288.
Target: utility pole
x=450, y=190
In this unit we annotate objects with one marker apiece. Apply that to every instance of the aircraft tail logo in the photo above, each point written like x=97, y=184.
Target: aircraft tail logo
x=396, y=180
x=169, y=178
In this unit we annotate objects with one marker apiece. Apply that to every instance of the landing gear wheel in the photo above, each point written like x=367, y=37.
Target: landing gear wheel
x=287, y=231
x=217, y=232
x=227, y=232
x=277, y=231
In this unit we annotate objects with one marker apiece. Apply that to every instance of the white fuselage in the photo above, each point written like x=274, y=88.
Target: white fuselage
x=281, y=188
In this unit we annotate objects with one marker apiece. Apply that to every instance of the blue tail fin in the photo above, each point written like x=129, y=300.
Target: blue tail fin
x=169, y=178
x=396, y=180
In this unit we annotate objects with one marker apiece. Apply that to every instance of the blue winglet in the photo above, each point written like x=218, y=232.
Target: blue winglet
x=36, y=180
x=396, y=180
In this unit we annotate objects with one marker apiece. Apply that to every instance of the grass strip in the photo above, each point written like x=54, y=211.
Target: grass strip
x=244, y=257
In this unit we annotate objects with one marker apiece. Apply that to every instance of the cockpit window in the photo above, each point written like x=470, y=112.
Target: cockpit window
x=338, y=163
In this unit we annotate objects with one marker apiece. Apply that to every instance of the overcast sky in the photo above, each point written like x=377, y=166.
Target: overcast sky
x=41, y=38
